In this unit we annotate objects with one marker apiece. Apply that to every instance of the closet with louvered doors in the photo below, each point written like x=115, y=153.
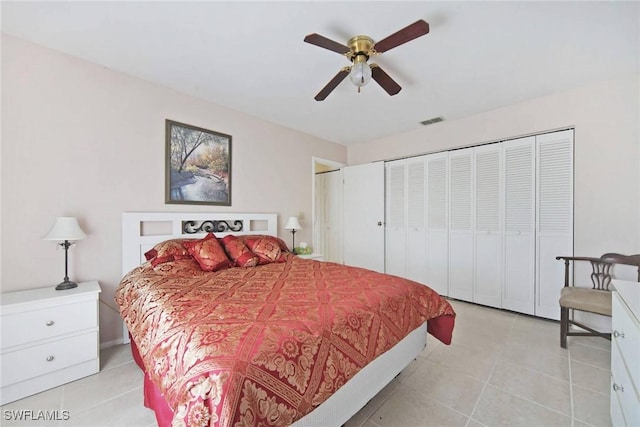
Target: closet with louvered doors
x=493, y=219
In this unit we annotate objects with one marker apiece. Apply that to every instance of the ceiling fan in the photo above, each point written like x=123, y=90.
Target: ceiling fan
x=358, y=50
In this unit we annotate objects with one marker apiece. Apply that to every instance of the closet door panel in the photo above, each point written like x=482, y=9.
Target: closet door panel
x=488, y=225
x=437, y=238
x=518, y=293
x=395, y=223
x=461, y=259
x=416, y=230
x=554, y=217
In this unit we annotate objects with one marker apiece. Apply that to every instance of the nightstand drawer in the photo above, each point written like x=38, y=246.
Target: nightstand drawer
x=42, y=359
x=22, y=328
x=626, y=334
x=623, y=387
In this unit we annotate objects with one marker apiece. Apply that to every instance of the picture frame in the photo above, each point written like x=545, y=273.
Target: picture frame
x=197, y=165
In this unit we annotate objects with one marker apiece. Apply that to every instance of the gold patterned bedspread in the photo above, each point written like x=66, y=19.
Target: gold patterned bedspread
x=268, y=344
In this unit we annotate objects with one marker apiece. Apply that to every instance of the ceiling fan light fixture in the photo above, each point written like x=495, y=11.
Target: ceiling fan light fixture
x=360, y=73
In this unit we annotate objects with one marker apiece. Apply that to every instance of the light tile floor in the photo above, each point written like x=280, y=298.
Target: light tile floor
x=502, y=369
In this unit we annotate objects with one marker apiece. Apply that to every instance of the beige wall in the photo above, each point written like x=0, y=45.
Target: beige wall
x=606, y=117
x=82, y=140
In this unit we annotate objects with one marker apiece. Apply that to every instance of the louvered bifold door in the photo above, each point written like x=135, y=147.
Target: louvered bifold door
x=488, y=225
x=461, y=257
x=554, y=217
x=416, y=230
x=395, y=228
x=437, y=238
x=519, y=231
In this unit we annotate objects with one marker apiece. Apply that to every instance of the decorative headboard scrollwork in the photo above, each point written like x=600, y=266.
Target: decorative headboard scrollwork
x=212, y=226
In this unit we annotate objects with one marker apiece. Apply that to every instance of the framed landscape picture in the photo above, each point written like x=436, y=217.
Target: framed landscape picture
x=198, y=165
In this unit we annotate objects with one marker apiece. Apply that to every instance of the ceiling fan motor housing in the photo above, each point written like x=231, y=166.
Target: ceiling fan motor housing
x=360, y=45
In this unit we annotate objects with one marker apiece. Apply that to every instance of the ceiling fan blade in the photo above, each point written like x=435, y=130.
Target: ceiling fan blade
x=335, y=81
x=383, y=79
x=408, y=33
x=326, y=43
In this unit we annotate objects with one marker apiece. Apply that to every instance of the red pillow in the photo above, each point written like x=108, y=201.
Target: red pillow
x=267, y=249
x=277, y=240
x=239, y=252
x=169, y=250
x=209, y=254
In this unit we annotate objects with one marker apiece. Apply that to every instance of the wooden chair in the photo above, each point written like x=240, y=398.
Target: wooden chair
x=596, y=299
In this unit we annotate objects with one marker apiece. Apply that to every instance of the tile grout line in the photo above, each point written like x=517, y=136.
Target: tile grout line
x=573, y=415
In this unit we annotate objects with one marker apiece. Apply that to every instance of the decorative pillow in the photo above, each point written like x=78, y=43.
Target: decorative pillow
x=278, y=241
x=169, y=250
x=267, y=249
x=209, y=254
x=239, y=252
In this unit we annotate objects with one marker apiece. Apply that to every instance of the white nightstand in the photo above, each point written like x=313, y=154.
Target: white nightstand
x=625, y=354
x=316, y=256
x=49, y=338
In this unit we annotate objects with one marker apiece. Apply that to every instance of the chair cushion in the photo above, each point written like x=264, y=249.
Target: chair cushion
x=586, y=299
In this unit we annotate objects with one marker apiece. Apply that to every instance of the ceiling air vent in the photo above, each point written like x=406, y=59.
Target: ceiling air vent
x=432, y=121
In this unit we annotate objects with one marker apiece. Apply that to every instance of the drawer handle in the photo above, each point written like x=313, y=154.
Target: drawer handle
x=617, y=387
x=50, y=359
x=618, y=334
x=50, y=322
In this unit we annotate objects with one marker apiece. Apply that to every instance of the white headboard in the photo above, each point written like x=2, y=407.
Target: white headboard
x=142, y=230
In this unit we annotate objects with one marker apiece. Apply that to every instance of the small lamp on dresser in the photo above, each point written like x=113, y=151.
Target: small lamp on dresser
x=65, y=230
x=294, y=225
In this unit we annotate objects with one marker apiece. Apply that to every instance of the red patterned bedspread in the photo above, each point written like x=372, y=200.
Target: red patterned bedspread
x=266, y=345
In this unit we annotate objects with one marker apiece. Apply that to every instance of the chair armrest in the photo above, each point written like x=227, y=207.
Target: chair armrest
x=584, y=258
x=600, y=276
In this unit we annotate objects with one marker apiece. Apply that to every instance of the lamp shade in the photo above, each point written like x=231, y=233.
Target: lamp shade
x=65, y=228
x=293, y=224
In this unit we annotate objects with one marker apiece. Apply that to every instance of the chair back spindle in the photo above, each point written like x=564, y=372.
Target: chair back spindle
x=601, y=275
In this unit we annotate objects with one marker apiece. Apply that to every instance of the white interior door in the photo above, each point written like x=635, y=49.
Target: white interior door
x=461, y=259
x=364, y=216
x=329, y=215
x=416, y=230
x=518, y=292
x=437, y=259
x=395, y=260
x=488, y=225
x=554, y=217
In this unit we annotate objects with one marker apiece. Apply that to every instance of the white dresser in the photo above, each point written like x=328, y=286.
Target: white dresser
x=625, y=354
x=49, y=338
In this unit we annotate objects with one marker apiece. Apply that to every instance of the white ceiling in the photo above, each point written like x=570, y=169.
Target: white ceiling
x=250, y=56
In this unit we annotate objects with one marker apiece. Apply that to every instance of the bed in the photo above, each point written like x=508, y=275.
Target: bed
x=290, y=341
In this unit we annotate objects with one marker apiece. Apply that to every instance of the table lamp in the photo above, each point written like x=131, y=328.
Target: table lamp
x=65, y=230
x=294, y=225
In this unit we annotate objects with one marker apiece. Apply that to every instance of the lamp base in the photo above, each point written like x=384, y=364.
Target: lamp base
x=67, y=284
